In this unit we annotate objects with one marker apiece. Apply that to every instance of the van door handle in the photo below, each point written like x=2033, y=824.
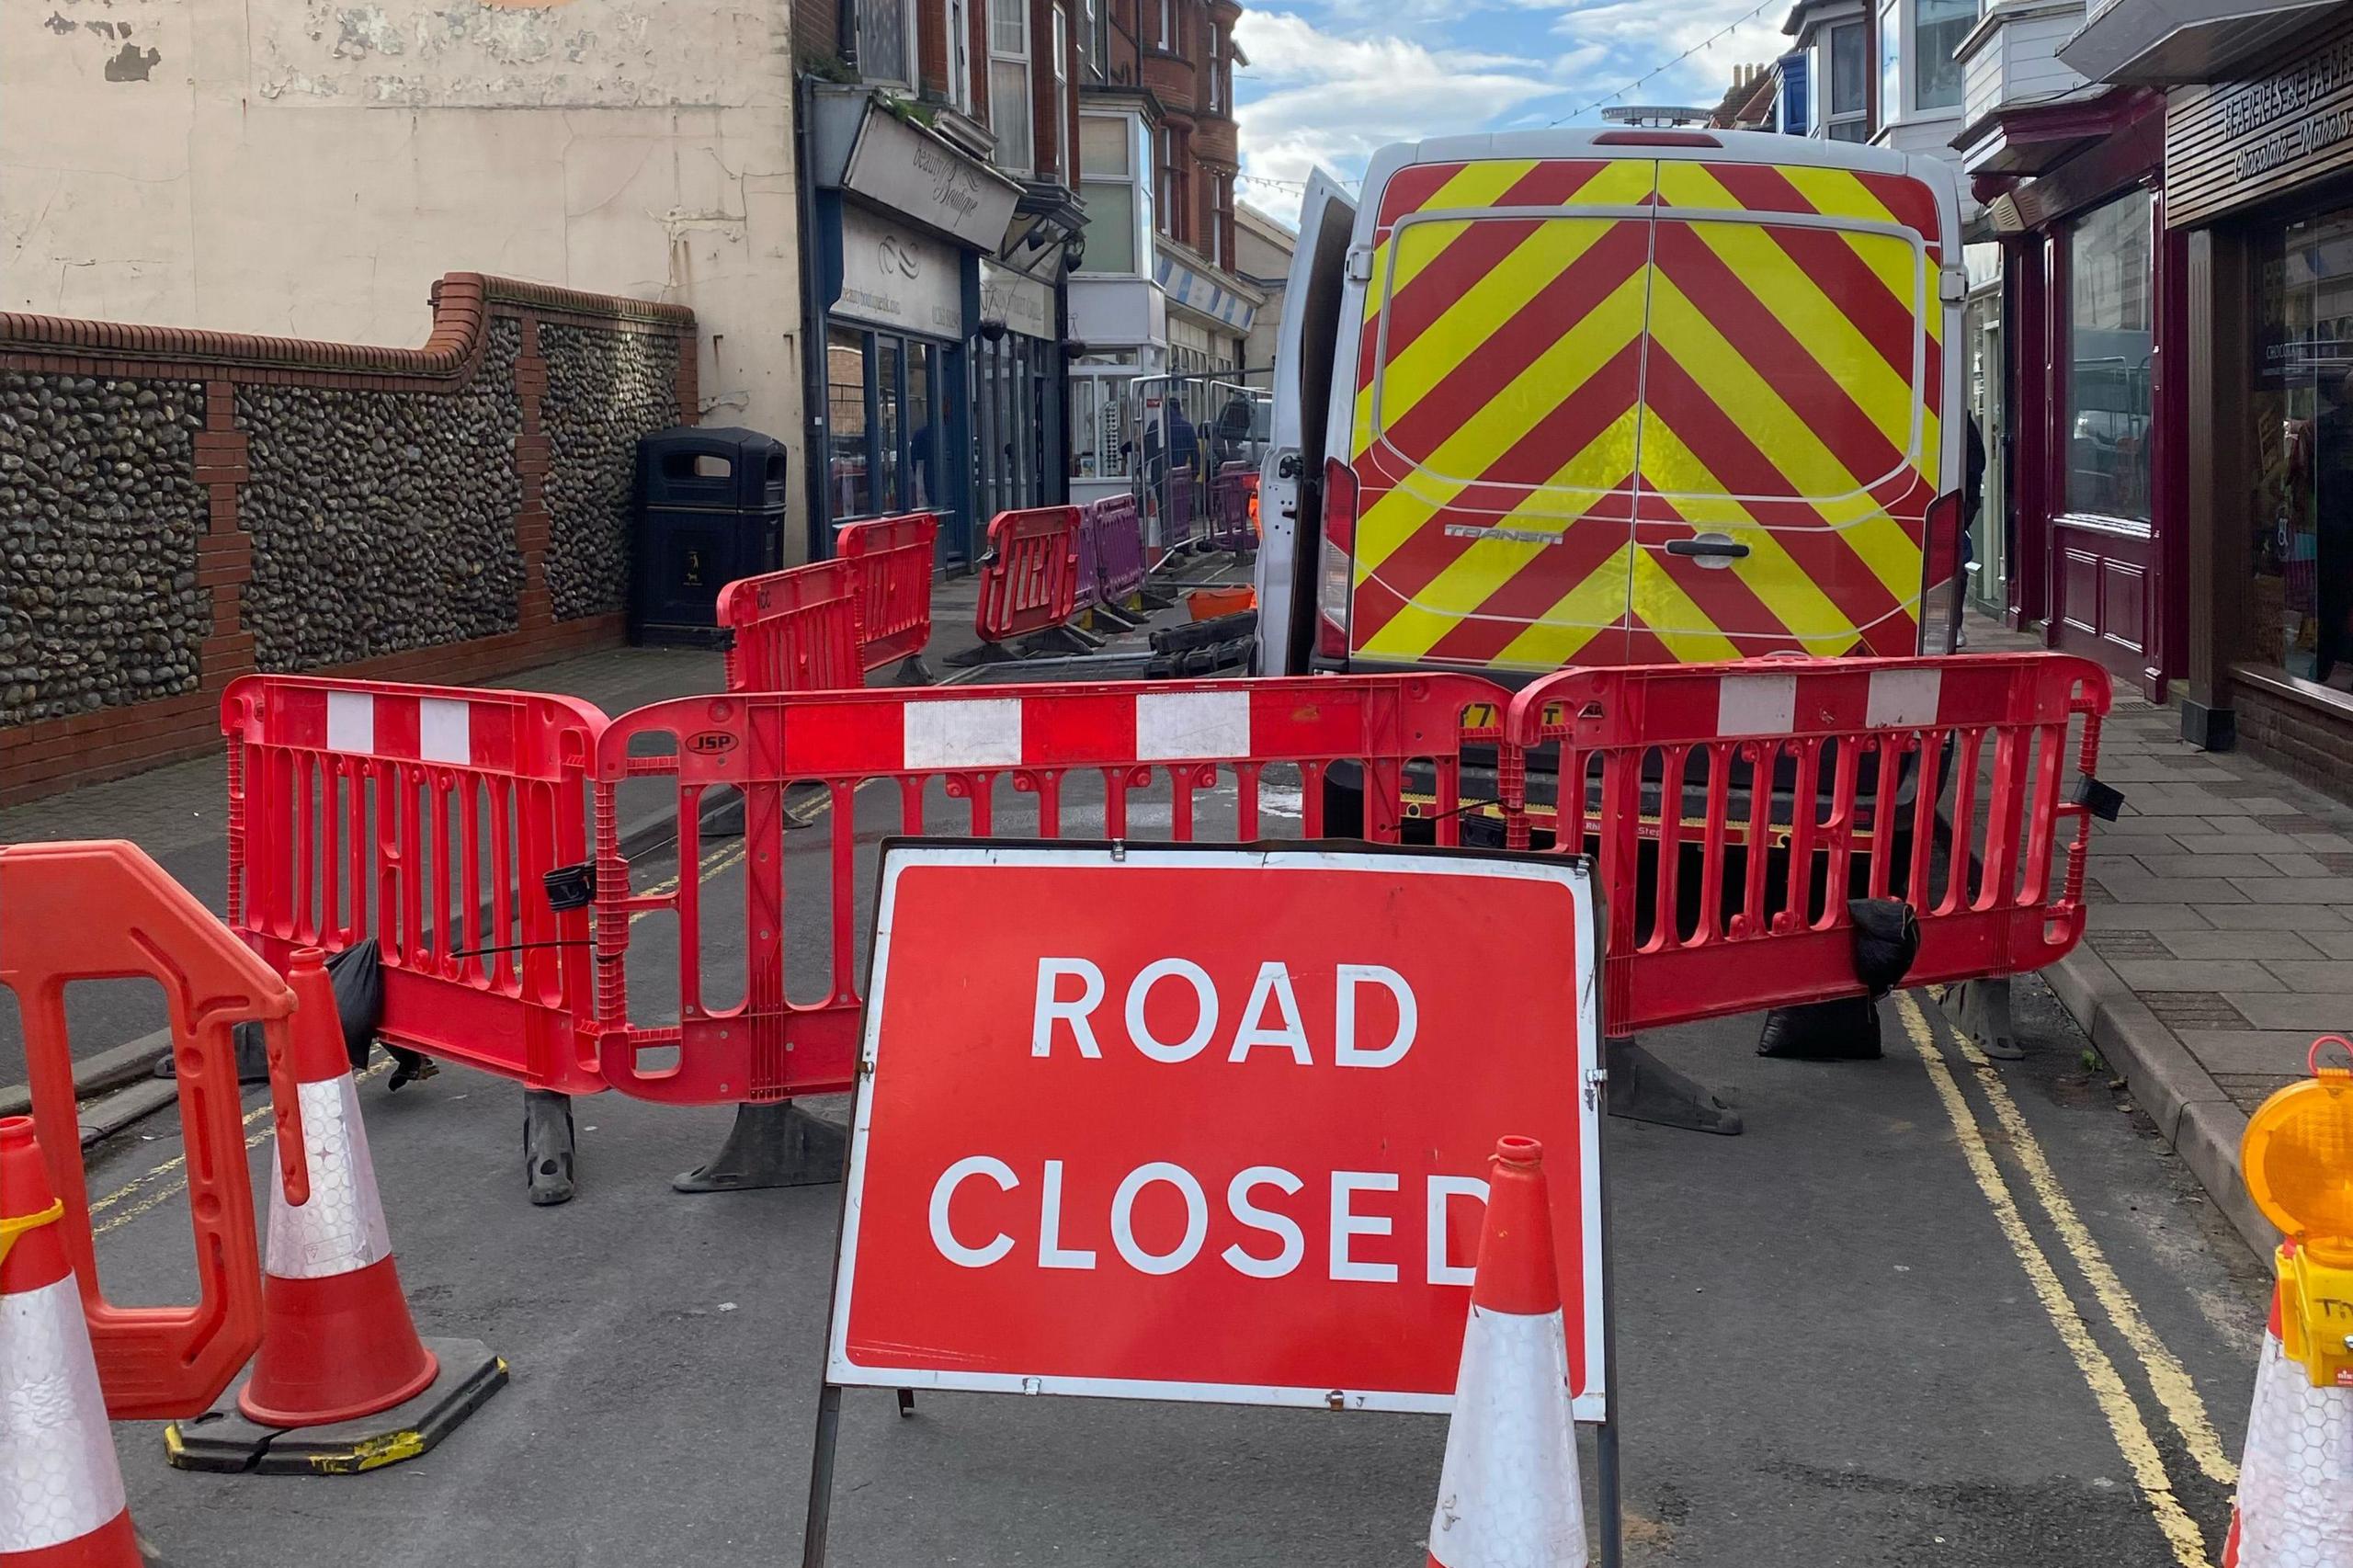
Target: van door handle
x=1710, y=545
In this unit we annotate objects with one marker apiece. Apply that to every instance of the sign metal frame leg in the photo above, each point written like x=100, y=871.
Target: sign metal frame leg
x=1609, y=1497
x=820, y=1477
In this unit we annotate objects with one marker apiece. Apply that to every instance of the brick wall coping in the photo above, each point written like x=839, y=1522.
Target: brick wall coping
x=462, y=305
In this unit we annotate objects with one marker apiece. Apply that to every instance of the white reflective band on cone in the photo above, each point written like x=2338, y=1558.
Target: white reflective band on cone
x=2297, y=1473
x=1508, y=1496
x=58, y=1477
x=341, y=1229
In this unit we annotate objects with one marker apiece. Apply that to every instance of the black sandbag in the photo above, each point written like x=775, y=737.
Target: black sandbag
x=1845, y=1028
x=1887, y=938
x=357, y=974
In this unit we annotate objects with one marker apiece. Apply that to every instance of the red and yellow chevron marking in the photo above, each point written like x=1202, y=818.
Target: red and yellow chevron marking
x=1526, y=450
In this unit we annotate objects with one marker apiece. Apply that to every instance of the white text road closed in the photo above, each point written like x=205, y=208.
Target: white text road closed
x=1198, y=1123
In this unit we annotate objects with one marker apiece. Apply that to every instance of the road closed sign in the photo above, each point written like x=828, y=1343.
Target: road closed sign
x=1203, y=1123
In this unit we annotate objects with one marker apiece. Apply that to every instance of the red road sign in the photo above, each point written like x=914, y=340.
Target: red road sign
x=1209, y=1123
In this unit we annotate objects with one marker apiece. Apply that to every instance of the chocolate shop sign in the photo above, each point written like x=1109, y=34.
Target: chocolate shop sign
x=2290, y=115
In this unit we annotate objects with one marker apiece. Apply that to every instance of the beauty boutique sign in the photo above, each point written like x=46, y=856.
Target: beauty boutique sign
x=894, y=276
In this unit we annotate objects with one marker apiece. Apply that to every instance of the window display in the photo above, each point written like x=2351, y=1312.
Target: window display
x=2302, y=613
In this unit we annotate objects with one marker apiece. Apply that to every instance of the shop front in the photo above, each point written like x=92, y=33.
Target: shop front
x=2087, y=448
x=2261, y=176
x=905, y=221
x=1017, y=360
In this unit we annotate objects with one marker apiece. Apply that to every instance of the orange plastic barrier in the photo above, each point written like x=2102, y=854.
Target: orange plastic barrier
x=1029, y=577
x=446, y=821
x=796, y=629
x=895, y=557
x=101, y=911
x=1225, y=761
x=1725, y=897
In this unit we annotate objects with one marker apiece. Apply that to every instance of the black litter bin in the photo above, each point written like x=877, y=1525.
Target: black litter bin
x=710, y=509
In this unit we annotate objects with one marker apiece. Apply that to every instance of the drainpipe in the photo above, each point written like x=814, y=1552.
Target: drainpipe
x=815, y=460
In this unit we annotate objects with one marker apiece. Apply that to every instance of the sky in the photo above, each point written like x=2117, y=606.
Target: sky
x=1329, y=81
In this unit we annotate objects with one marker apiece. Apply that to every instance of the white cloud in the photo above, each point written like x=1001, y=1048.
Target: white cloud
x=1335, y=98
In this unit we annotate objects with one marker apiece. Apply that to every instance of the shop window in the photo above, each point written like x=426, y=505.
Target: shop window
x=2301, y=610
x=1938, y=27
x=886, y=42
x=850, y=483
x=1009, y=106
x=2111, y=357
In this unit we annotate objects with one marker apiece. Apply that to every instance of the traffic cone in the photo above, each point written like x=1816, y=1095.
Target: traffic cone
x=2291, y=1511
x=342, y=1382
x=1509, y=1492
x=60, y=1491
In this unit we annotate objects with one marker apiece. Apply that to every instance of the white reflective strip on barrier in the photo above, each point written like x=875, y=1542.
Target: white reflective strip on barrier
x=1508, y=1495
x=982, y=733
x=341, y=1229
x=2296, y=1473
x=1756, y=705
x=445, y=730
x=58, y=1476
x=351, y=722
x=1903, y=699
x=1182, y=725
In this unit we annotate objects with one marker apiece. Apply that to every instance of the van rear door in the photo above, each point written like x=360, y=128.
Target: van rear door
x=1498, y=388
x=1791, y=417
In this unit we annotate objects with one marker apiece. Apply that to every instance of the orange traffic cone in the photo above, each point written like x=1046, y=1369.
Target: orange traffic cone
x=339, y=1346
x=1509, y=1493
x=2298, y=1462
x=60, y=1491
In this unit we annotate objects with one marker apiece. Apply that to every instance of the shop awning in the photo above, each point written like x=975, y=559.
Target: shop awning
x=2158, y=42
x=2032, y=138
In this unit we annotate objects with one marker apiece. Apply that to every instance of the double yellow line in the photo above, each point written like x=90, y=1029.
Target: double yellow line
x=2159, y=1366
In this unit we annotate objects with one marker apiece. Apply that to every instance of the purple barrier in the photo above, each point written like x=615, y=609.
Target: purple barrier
x=1118, y=548
x=1230, y=508
x=1177, y=518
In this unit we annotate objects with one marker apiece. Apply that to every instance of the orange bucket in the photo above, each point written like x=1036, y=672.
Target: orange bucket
x=1207, y=604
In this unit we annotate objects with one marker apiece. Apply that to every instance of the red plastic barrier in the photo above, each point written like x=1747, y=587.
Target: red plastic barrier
x=100, y=910
x=1029, y=577
x=1725, y=897
x=895, y=557
x=1226, y=761
x=797, y=630
x=429, y=818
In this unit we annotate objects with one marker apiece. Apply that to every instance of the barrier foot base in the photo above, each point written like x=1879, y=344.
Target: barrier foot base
x=1062, y=640
x=1981, y=1009
x=912, y=671
x=771, y=1146
x=982, y=653
x=1116, y=618
x=906, y=1403
x=1153, y=600
x=547, y=1146
x=1643, y=1088
x=222, y=1439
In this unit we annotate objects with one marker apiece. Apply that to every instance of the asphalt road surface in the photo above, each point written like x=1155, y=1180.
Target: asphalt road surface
x=1924, y=1311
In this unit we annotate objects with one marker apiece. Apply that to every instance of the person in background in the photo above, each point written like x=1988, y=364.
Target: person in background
x=1973, y=498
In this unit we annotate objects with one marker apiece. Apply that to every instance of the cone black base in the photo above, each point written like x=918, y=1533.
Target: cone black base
x=771, y=1146
x=224, y=1440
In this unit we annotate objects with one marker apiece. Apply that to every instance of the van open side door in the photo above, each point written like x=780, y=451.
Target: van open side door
x=1288, y=484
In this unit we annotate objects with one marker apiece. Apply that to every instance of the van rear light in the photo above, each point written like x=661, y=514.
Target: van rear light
x=1336, y=560
x=1941, y=586
x=1655, y=138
